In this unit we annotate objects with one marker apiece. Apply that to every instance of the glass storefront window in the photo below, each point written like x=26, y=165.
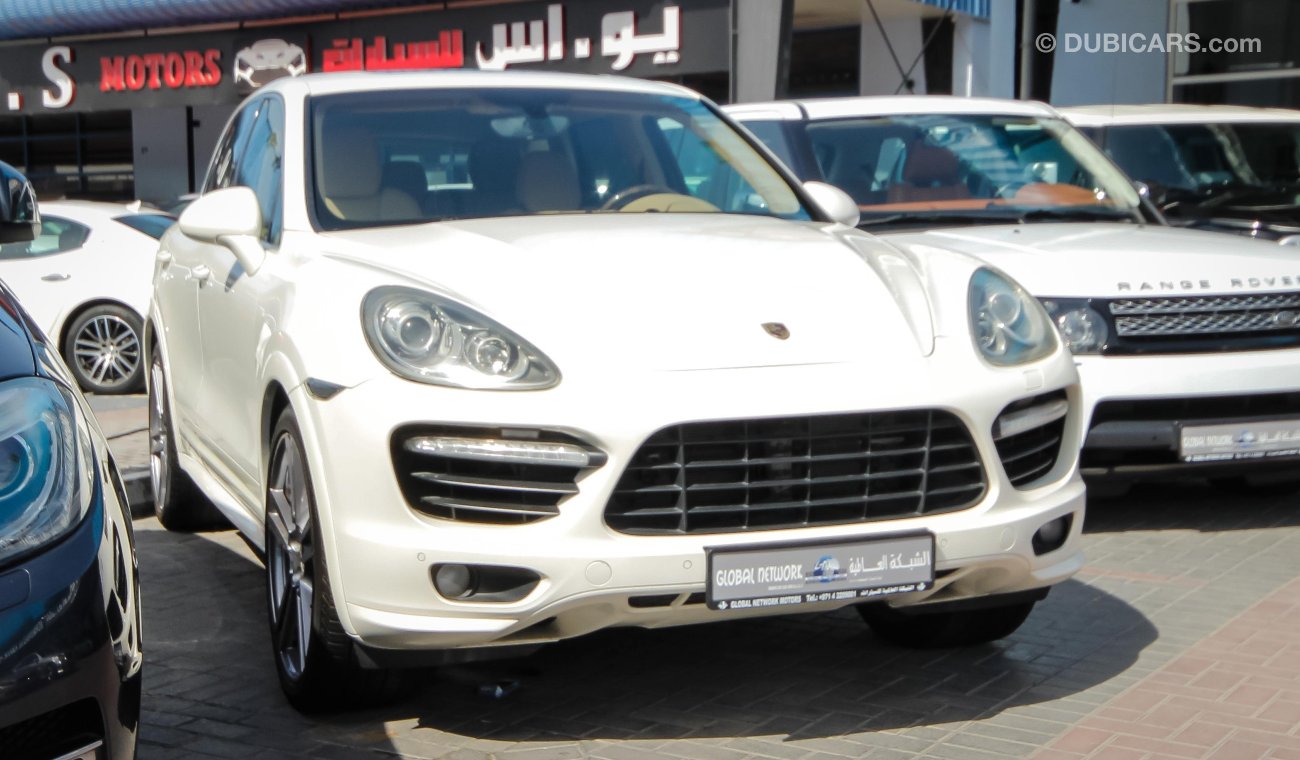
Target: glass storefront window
x=75, y=155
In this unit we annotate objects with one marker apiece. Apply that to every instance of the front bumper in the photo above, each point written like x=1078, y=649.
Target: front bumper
x=381, y=551
x=69, y=646
x=1135, y=407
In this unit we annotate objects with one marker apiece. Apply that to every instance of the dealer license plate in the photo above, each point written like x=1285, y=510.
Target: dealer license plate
x=780, y=575
x=1263, y=439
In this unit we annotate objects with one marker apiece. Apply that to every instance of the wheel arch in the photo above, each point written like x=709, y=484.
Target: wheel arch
x=82, y=308
x=275, y=399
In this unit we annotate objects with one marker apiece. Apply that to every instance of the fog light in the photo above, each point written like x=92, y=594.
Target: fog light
x=455, y=581
x=1051, y=536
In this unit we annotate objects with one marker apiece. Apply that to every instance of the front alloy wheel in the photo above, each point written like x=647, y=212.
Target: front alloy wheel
x=314, y=656
x=289, y=559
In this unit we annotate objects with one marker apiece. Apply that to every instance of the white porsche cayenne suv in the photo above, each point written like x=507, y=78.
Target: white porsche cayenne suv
x=484, y=361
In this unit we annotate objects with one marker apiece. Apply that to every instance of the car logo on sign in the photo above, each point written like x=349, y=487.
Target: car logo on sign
x=777, y=330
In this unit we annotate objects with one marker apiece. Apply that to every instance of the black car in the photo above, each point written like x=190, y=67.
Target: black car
x=70, y=655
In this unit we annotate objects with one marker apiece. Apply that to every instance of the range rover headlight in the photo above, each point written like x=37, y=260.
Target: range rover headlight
x=46, y=480
x=1008, y=325
x=431, y=339
x=1082, y=328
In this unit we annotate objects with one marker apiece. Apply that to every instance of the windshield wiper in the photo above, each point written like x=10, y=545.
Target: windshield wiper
x=996, y=214
x=1075, y=213
x=922, y=217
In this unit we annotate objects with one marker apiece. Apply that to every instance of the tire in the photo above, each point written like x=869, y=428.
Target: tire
x=938, y=630
x=104, y=350
x=314, y=657
x=177, y=502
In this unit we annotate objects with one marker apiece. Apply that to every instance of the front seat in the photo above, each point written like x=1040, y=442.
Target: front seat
x=408, y=176
x=493, y=165
x=548, y=182
x=350, y=174
x=930, y=174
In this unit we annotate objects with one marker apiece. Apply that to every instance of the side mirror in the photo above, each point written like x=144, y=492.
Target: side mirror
x=230, y=217
x=837, y=204
x=20, y=218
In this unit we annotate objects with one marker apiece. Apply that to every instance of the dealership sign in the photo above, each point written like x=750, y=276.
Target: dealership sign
x=649, y=38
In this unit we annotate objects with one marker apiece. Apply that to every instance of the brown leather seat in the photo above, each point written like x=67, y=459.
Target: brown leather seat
x=930, y=174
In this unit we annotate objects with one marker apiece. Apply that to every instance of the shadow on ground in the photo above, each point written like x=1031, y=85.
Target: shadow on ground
x=1190, y=504
x=796, y=677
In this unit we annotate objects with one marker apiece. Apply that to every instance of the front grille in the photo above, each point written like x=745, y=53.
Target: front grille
x=468, y=490
x=768, y=474
x=54, y=733
x=1029, y=454
x=1269, y=320
x=1195, y=410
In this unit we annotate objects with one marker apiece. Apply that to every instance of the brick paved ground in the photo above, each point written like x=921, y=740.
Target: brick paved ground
x=1179, y=640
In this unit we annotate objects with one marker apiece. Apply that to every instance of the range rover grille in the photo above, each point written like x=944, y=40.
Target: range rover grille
x=1201, y=316
x=768, y=474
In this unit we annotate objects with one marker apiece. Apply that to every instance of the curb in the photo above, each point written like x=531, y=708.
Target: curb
x=139, y=491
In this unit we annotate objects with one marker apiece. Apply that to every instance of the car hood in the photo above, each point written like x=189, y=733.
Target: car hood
x=1113, y=260
x=660, y=291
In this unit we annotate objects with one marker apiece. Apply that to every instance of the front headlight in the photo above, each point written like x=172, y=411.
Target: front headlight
x=1082, y=328
x=1008, y=325
x=46, y=480
x=431, y=339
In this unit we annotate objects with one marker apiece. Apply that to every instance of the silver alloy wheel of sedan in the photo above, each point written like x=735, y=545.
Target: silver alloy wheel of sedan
x=102, y=347
x=107, y=349
x=289, y=561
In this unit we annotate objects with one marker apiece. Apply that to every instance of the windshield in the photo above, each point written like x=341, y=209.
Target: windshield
x=977, y=166
x=429, y=155
x=1205, y=158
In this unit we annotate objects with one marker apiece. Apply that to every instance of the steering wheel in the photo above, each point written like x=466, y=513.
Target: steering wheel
x=628, y=194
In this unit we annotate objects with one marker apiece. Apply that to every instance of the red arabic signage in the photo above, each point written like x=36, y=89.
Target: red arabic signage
x=446, y=52
x=634, y=37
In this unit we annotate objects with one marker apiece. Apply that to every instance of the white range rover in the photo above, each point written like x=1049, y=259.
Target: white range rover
x=484, y=361
x=1187, y=342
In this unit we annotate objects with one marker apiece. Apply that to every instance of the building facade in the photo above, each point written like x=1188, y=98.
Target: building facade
x=127, y=101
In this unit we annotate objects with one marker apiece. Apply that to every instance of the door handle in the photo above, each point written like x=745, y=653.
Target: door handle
x=201, y=273
x=56, y=277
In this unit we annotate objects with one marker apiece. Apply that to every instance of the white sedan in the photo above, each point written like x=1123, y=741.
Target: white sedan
x=86, y=281
x=625, y=371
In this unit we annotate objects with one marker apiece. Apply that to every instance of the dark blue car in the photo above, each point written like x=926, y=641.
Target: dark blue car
x=70, y=655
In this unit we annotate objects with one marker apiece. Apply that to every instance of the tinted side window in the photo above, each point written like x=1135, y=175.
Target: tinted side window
x=58, y=235
x=259, y=164
x=222, y=171
x=153, y=225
